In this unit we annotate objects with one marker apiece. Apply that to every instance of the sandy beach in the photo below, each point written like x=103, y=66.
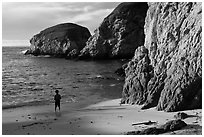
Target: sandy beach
x=104, y=118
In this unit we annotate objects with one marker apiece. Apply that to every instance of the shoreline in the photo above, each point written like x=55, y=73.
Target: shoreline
x=104, y=118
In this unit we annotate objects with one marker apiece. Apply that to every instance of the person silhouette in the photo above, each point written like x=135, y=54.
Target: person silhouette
x=57, y=100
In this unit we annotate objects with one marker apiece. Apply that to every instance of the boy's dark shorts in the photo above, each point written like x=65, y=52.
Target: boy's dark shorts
x=57, y=103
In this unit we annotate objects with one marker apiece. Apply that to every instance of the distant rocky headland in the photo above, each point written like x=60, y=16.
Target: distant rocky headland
x=63, y=40
x=162, y=39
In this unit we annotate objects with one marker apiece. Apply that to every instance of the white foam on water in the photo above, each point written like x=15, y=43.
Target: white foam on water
x=24, y=51
x=112, y=85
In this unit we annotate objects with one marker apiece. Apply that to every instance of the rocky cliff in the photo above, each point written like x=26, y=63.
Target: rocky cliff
x=63, y=40
x=119, y=34
x=167, y=71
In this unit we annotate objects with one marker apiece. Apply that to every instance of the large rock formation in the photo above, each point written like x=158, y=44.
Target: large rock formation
x=119, y=34
x=167, y=71
x=63, y=40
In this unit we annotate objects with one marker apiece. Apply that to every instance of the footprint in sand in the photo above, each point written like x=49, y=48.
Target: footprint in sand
x=120, y=117
x=29, y=116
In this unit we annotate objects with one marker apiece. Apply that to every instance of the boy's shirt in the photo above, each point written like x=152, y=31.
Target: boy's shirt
x=57, y=97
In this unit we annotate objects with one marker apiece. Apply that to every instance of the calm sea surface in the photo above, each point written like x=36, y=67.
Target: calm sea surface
x=29, y=80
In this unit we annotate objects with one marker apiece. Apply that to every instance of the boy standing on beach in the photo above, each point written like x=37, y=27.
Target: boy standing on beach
x=57, y=99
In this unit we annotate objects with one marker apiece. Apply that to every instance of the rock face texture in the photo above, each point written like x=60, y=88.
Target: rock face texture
x=63, y=40
x=167, y=71
x=119, y=34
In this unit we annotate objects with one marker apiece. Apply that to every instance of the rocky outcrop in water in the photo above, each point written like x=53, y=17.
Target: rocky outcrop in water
x=119, y=34
x=63, y=40
x=167, y=71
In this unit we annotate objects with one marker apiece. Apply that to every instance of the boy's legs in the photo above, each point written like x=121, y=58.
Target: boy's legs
x=57, y=104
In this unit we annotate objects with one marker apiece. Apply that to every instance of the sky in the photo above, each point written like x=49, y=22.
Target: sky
x=22, y=20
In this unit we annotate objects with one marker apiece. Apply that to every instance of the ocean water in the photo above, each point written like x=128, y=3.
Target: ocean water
x=29, y=80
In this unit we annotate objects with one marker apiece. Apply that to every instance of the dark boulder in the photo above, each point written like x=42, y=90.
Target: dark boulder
x=181, y=115
x=121, y=71
x=167, y=127
x=152, y=131
x=173, y=125
x=63, y=40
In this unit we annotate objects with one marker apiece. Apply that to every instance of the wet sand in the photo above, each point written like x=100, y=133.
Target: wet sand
x=105, y=118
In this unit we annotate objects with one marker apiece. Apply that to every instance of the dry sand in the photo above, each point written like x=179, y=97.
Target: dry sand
x=108, y=117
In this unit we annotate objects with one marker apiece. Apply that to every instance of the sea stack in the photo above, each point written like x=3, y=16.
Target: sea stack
x=120, y=33
x=63, y=40
x=166, y=72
